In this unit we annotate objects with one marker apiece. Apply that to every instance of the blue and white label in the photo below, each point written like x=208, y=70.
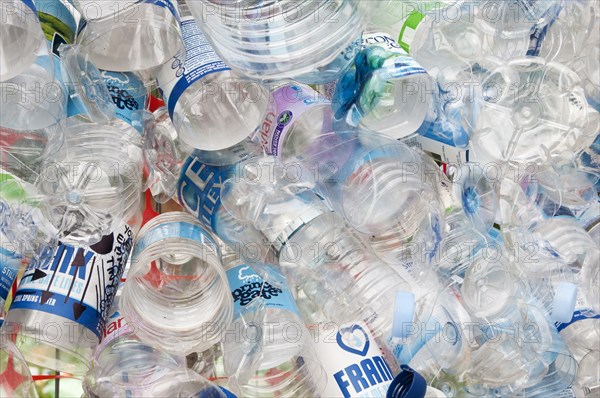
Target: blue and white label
x=79, y=284
x=382, y=40
x=127, y=92
x=246, y=286
x=352, y=360
x=199, y=185
x=186, y=68
x=179, y=230
x=10, y=263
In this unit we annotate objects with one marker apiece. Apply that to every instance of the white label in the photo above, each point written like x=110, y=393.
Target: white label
x=352, y=360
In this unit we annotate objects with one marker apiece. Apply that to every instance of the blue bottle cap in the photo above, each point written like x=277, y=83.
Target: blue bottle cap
x=408, y=384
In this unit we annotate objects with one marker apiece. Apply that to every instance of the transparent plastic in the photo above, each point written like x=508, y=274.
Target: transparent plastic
x=534, y=111
x=94, y=181
x=21, y=37
x=177, y=292
x=152, y=30
x=15, y=377
x=260, y=351
x=310, y=41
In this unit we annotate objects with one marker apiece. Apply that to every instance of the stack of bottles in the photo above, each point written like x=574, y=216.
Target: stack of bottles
x=348, y=198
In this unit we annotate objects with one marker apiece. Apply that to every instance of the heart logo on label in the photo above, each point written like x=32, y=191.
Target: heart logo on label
x=353, y=339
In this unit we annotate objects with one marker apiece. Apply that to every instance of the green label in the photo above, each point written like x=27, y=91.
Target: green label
x=409, y=27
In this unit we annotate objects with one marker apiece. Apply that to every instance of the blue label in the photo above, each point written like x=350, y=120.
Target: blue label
x=578, y=315
x=180, y=230
x=199, y=189
x=79, y=284
x=127, y=92
x=246, y=285
x=30, y=5
x=184, y=70
x=10, y=263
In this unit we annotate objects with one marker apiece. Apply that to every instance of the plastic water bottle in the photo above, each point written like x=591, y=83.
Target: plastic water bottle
x=125, y=366
x=35, y=99
x=514, y=18
x=152, y=29
x=177, y=293
x=22, y=38
x=387, y=91
x=383, y=188
x=165, y=154
x=204, y=97
x=15, y=378
x=352, y=359
x=267, y=347
x=199, y=192
x=526, y=116
x=10, y=262
x=317, y=252
x=59, y=310
x=300, y=115
x=312, y=42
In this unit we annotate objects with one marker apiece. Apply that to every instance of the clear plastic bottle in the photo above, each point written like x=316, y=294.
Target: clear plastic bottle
x=534, y=112
x=316, y=250
x=212, y=107
x=387, y=91
x=311, y=41
x=177, y=293
x=383, y=188
x=152, y=29
x=93, y=183
x=22, y=37
x=280, y=356
x=199, y=192
x=123, y=365
x=15, y=378
x=59, y=310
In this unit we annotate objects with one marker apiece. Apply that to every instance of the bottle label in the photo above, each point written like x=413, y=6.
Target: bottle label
x=382, y=40
x=352, y=360
x=10, y=263
x=292, y=101
x=189, y=66
x=79, y=284
x=57, y=23
x=116, y=326
x=127, y=92
x=180, y=230
x=246, y=286
x=31, y=6
x=199, y=185
x=409, y=27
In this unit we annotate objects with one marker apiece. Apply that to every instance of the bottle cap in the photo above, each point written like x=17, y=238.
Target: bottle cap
x=408, y=384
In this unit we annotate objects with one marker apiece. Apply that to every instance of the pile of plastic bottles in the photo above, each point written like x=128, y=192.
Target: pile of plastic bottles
x=284, y=198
